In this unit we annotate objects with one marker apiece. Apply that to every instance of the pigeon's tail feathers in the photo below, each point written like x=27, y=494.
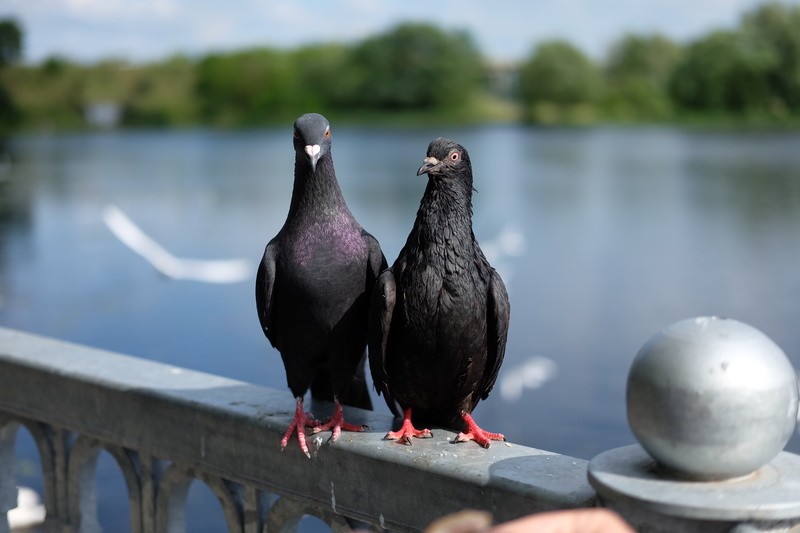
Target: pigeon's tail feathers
x=357, y=394
x=321, y=388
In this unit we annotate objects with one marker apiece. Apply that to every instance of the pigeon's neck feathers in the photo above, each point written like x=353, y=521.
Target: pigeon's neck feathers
x=445, y=213
x=316, y=191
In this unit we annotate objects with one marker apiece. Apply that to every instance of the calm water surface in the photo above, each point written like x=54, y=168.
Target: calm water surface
x=603, y=236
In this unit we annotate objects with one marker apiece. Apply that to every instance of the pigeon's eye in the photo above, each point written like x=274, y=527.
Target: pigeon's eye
x=296, y=135
x=327, y=133
x=454, y=156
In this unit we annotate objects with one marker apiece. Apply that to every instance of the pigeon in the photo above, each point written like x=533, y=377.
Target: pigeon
x=313, y=288
x=439, y=316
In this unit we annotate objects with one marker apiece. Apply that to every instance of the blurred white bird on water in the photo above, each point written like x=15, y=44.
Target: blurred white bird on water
x=28, y=513
x=507, y=244
x=531, y=374
x=204, y=270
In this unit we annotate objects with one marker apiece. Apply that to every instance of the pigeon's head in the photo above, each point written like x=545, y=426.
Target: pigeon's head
x=447, y=159
x=312, y=137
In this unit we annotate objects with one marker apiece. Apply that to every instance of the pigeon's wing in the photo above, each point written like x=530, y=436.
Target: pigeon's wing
x=376, y=261
x=265, y=282
x=498, y=313
x=380, y=320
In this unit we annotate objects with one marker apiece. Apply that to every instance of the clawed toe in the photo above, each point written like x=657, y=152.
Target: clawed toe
x=407, y=431
x=483, y=438
x=336, y=424
x=298, y=425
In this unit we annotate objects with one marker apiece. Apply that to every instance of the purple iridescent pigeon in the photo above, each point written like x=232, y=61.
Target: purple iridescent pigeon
x=314, y=285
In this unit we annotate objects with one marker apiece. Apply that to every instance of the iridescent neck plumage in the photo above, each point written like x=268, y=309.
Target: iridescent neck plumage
x=315, y=190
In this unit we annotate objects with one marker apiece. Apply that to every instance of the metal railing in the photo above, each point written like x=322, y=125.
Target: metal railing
x=167, y=426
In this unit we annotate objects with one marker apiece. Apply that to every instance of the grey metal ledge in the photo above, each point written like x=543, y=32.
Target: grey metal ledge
x=227, y=432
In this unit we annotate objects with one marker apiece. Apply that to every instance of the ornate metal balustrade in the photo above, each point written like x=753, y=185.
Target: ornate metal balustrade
x=167, y=426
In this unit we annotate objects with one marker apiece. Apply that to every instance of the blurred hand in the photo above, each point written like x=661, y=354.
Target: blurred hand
x=594, y=520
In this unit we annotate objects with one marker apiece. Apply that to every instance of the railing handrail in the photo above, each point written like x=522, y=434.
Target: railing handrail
x=230, y=430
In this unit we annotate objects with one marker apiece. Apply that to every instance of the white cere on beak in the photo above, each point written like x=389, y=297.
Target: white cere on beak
x=430, y=161
x=312, y=149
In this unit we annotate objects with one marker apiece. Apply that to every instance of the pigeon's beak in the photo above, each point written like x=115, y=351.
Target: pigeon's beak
x=429, y=164
x=313, y=151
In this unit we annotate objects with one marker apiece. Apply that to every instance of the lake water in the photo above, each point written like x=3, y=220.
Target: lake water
x=603, y=235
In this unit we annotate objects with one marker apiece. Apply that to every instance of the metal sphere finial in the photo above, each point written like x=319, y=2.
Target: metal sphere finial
x=712, y=398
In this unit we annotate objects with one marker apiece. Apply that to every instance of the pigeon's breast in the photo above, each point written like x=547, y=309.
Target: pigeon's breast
x=336, y=242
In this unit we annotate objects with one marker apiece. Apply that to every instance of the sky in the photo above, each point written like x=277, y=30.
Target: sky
x=504, y=30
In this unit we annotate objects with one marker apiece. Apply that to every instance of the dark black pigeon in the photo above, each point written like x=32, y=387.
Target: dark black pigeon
x=313, y=287
x=439, y=316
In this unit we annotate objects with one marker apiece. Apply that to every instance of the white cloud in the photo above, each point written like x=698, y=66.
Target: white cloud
x=119, y=11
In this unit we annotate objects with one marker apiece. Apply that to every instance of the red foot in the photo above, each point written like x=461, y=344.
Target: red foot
x=301, y=421
x=484, y=438
x=407, y=430
x=337, y=424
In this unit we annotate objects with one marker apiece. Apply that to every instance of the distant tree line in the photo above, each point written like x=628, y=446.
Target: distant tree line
x=418, y=71
x=750, y=71
x=10, y=51
x=413, y=67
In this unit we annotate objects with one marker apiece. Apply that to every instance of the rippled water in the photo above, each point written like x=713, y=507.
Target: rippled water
x=603, y=236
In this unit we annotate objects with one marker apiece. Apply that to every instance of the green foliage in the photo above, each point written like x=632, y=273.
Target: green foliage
x=10, y=42
x=9, y=112
x=321, y=77
x=637, y=76
x=410, y=68
x=725, y=71
x=417, y=72
x=753, y=70
x=559, y=84
x=266, y=86
x=247, y=88
x=777, y=27
x=47, y=96
x=10, y=51
x=159, y=94
x=414, y=66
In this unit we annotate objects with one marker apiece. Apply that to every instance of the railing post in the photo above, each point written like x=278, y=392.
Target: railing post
x=8, y=477
x=149, y=473
x=82, y=492
x=60, y=442
x=253, y=509
x=42, y=435
x=173, y=488
x=712, y=402
x=286, y=513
